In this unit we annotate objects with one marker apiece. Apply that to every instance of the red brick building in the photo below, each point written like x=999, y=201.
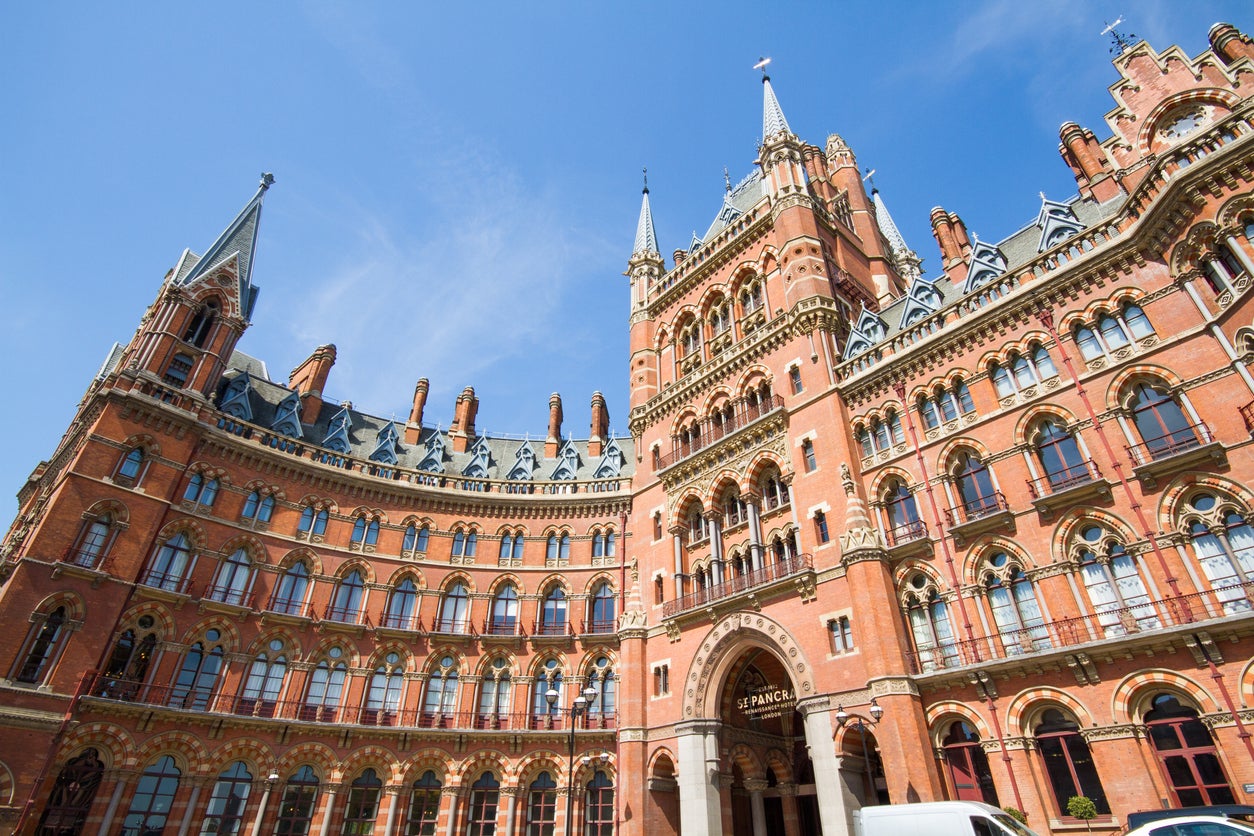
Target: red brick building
x=875, y=537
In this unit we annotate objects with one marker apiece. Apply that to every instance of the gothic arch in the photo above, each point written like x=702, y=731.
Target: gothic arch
x=1029, y=702
x=1172, y=500
x=723, y=645
x=1128, y=701
x=940, y=714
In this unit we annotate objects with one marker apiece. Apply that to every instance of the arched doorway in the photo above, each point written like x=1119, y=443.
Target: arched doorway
x=861, y=768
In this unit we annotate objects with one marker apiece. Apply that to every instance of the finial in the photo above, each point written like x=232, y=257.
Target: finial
x=726, y=180
x=846, y=479
x=1119, y=43
x=267, y=180
x=761, y=65
x=1043, y=198
x=646, y=179
x=870, y=178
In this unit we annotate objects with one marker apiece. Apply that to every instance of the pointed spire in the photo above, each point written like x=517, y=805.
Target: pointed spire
x=240, y=240
x=646, y=235
x=773, y=120
x=905, y=259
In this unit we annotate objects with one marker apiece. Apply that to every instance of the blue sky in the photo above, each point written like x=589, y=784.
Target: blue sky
x=458, y=184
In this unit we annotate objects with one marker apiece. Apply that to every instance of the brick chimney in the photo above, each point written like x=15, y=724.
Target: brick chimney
x=462, y=430
x=554, y=439
x=310, y=377
x=599, y=433
x=413, y=427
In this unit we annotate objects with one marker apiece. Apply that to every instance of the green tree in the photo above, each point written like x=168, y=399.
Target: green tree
x=1082, y=808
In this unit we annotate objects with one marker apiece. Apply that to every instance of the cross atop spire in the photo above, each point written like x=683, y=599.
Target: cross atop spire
x=646, y=235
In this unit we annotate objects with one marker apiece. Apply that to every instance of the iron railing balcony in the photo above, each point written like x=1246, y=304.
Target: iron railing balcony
x=908, y=532
x=1069, y=477
x=750, y=581
x=744, y=413
x=1170, y=445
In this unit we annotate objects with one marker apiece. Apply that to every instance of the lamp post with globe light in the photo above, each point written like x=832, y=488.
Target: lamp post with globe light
x=579, y=708
x=842, y=717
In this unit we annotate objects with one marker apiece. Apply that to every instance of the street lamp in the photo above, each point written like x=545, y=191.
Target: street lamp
x=579, y=708
x=842, y=717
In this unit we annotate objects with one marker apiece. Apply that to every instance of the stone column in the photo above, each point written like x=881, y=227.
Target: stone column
x=697, y=750
x=754, y=504
x=1239, y=252
x=328, y=811
x=833, y=814
x=509, y=797
x=261, y=808
x=393, y=792
x=716, y=545
x=124, y=777
x=755, y=787
x=191, y=806
x=788, y=801
x=454, y=808
x=681, y=588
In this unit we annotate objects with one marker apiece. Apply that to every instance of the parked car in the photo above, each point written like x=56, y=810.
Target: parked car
x=938, y=818
x=1222, y=820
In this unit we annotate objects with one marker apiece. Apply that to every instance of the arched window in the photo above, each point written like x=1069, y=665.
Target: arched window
x=313, y=521
x=128, y=663
x=774, y=492
x=542, y=806
x=1224, y=544
x=346, y=603
x=455, y=609
x=603, y=617
x=504, y=617
x=557, y=549
x=180, y=367
x=225, y=811
x=362, y=805
x=230, y=584
x=600, y=678
x=968, y=765
x=154, y=796
x=383, y=694
x=424, y=806
x=547, y=677
x=1187, y=753
x=289, y=595
x=365, y=531
x=264, y=682
x=201, y=491
x=494, y=691
x=424, y=539
x=599, y=806
x=1112, y=331
x=131, y=468
x=201, y=324
x=1160, y=421
x=1059, y=455
x=93, y=542
x=326, y=686
x=401, y=605
x=72, y=795
x=43, y=644
x=1067, y=761
x=441, y=697
x=603, y=543
x=464, y=543
x=974, y=483
x=258, y=508
x=169, y=568
x=751, y=297
x=902, y=513
x=198, y=674
x=410, y=539
x=484, y=797
x=945, y=404
x=553, y=613
x=300, y=800
x=1114, y=586
x=698, y=530
x=929, y=625
x=1016, y=612
x=734, y=509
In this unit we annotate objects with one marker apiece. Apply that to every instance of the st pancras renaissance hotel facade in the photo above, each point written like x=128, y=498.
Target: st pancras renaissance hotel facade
x=873, y=537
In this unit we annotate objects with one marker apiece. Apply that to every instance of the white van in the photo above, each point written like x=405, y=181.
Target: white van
x=937, y=818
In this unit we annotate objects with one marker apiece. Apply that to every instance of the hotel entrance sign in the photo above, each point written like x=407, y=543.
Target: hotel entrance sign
x=771, y=701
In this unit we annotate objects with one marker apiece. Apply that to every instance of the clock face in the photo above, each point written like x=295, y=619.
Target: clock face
x=1184, y=123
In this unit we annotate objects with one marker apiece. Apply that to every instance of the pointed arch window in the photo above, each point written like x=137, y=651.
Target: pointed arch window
x=1225, y=548
x=504, y=617
x=553, y=613
x=484, y=798
x=945, y=404
x=198, y=675
x=153, y=799
x=289, y=595
x=967, y=765
x=549, y=677
x=300, y=800
x=1187, y=754
x=441, y=698
x=455, y=609
x=1161, y=422
x=902, y=513
x=345, y=605
x=94, y=541
x=1068, y=762
x=1111, y=332
x=1016, y=612
x=603, y=614
x=542, y=806
x=131, y=468
x=494, y=693
x=1058, y=452
x=511, y=547
x=169, y=568
x=557, y=550
x=43, y=645
x=362, y=805
x=1022, y=371
x=258, y=507
x=365, y=531
x=1114, y=585
x=326, y=687
x=128, y=663
x=603, y=543
x=774, y=492
x=974, y=483
x=201, y=324
x=424, y=806
x=225, y=811
x=264, y=682
x=383, y=694
x=401, y=606
x=735, y=511
x=72, y=795
x=410, y=538
x=930, y=626
x=313, y=521
x=464, y=543
x=231, y=582
x=599, y=806
x=201, y=491
x=751, y=297
x=600, y=678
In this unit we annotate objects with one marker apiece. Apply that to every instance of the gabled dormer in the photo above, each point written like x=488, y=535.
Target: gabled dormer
x=611, y=463
x=385, y=444
x=568, y=463
x=524, y=464
x=287, y=416
x=987, y=263
x=337, y=438
x=433, y=459
x=1057, y=223
x=922, y=300
x=480, y=460
x=865, y=332
x=236, y=398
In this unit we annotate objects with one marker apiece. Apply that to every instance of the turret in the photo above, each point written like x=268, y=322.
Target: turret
x=1230, y=43
x=310, y=379
x=413, y=427
x=644, y=269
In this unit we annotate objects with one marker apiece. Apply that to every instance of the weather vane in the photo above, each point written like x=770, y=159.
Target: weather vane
x=761, y=65
x=1119, y=43
x=646, y=179
x=726, y=179
x=869, y=177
